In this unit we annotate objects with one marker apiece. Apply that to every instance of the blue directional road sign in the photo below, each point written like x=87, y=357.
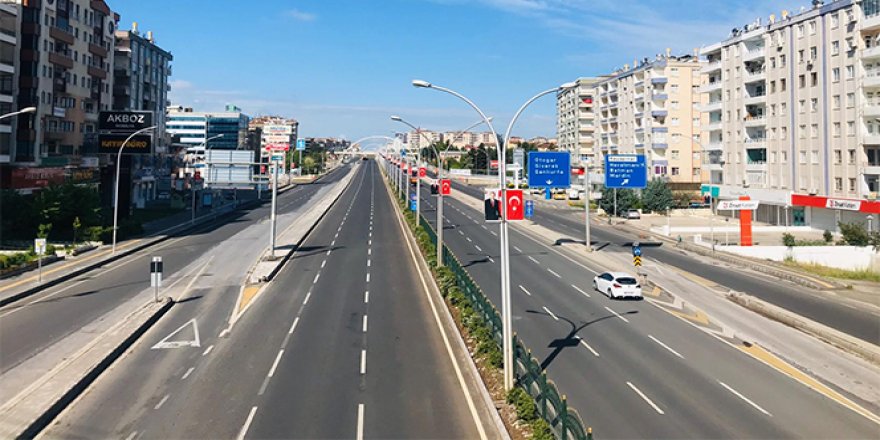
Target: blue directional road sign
x=530, y=208
x=300, y=144
x=412, y=202
x=626, y=171
x=549, y=169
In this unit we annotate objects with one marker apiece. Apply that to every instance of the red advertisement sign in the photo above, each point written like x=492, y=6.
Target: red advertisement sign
x=445, y=187
x=514, y=204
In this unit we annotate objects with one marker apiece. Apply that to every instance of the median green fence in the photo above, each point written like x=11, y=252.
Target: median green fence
x=552, y=406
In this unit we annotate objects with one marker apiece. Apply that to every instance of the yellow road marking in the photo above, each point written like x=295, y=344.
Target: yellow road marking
x=655, y=292
x=64, y=266
x=698, y=316
x=784, y=367
x=247, y=295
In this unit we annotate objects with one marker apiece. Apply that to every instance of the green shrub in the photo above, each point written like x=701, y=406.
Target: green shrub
x=788, y=239
x=854, y=234
x=541, y=430
x=495, y=358
x=526, y=409
x=827, y=236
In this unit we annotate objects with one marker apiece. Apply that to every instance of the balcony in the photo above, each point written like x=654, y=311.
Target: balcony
x=710, y=67
x=753, y=54
x=712, y=106
x=639, y=97
x=61, y=60
x=872, y=139
x=639, y=84
x=758, y=75
x=640, y=145
x=97, y=73
x=755, y=121
x=871, y=111
x=711, y=86
x=659, y=80
x=755, y=142
x=62, y=35
x=756, y=98
x=871, y=23
x=713, y=146
x=659, y=97
x=659, y=145
x=756, y=166
x=659, y=113
x=714, y=125
x=98, y=50
x=59, y=85
x=872, y=79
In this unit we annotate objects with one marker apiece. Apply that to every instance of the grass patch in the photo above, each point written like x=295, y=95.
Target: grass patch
x=833, y=272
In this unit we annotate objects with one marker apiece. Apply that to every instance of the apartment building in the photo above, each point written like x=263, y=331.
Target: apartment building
x=462, y=140
x=792, y=114
x=65, y=70
x=652, y=108
x=423, y=138
x=9, y=25
x=140, y=77
x=576, y=121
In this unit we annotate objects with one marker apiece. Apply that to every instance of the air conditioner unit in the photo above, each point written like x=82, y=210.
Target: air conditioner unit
x=813, y=191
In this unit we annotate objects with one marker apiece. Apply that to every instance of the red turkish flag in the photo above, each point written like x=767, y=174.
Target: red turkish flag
x=445, y=187
x=423, y=172
x=514, y=204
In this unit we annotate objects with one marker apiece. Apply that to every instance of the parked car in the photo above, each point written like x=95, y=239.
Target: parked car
x=618, y=285
x=574, y=194
x=632, y=214
x=559, y=195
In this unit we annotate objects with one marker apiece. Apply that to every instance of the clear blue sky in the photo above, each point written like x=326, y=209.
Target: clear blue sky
x=342, y=67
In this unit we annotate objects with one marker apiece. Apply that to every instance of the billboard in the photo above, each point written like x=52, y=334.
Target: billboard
x=110, y=143
x=124, y=121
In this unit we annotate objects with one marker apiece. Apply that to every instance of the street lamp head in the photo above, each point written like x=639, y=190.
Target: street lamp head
x=568, y=85
x=28, y=110
x=421, y=83
x=396, y=118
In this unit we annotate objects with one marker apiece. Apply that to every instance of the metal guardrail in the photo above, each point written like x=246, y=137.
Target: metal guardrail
x=565, y=422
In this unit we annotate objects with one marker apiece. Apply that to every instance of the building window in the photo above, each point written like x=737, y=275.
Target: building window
x=814, y=130
x=814, y=104
x=813, y=53
x=838, y=184
x=802, y=156
x=835, y=102
x=673, y=154
x=852, y=184
x=783, y=133
x=835, y=48
x=835, y=20
x=781, y=60
x=675, y=171
x=802, y=106
x=813, y=27
x=851, y=128
x=802, y=81
x=836, y=129
x=800, y=31
x=782, y=85
x=850, y=72
x=802, y=131
x=835, y=74
x=851, y=156
x=783, y=108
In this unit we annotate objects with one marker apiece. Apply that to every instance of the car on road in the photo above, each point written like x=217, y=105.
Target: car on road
x=632, y=214
x=574, y=194
x=618, y=285
x=559, y=194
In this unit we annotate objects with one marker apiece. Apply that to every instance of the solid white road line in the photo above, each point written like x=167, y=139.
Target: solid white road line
x=188, y=372
x=207, y=350
x=533, y=260
x=247, y=424
x=643, y=396
x=554, y=273
x=737, y=394
x=365, y=323
x=524, y=290
x=162, y=402
x=275, y=364
x=360, y=422
x=579, y=290
x=550, y=313
x=363, y=361
x=617, y=314
x=665, y=346
x=366, y=296
x=293, y=327
x=584, y=343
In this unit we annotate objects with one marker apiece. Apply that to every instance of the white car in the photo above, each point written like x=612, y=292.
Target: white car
x=618, y=285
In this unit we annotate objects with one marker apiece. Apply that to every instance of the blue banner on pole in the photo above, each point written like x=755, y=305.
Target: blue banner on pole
x=300, y=144
x=530, y=208
x=626, y=171
x=549, y=169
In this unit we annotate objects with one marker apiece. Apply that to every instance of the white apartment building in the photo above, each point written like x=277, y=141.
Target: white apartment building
x=791, y=118
x=462, y=140
x=420, y=139
x=652, y=108
x=576, y=121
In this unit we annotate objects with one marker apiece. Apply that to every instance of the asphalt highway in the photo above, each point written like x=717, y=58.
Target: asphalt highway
x=631, y=369
x=860, y=323
x=31, y=325
x=342, y=344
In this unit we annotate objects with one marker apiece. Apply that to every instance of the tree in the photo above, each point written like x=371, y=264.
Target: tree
x=308, y=164
x=854, y=234
x=626, y=200
x=657, y=196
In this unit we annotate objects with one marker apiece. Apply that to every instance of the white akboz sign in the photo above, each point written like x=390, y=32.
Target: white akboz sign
x=738, y=205
x=847, y=205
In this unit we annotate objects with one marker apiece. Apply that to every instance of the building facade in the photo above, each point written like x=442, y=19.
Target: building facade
x=576, y=121
x=9, y=31
x=140, y=78
x=196, y=129
x=791, y=114
x=652, y=108
x=65, y=69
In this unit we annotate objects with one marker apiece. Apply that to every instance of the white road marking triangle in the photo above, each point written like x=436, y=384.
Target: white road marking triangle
x=195, y=342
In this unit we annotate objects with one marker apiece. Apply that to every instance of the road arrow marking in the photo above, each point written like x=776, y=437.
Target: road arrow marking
x=195, y=342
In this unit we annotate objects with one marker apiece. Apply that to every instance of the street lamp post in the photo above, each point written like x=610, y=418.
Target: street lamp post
x=439, y=177
x=505, y=257
x=19, y=112
x=116, y=190
x=418, y=166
